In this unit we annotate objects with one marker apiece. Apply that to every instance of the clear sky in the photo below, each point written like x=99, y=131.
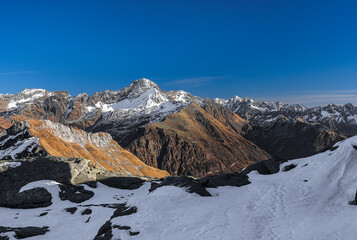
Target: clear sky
x=294, y=51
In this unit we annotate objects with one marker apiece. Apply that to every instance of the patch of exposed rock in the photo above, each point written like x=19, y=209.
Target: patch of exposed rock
x=67, y=171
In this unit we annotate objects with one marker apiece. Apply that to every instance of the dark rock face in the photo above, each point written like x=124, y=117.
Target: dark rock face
x=29, y=171
x=25, y=232
x=32, y=198
x=237, y=180
x=123, y=210
x=122, y=227
x=71, y=210
x=133, y=233
x=289, y=167
x=91, y=184
x=87, y=211
x=43, y=214
x=266, y=167
x=75, y=194
x=63, y=170
x=194, y=143
x=123, y=182
x=288, y=139
x=104, y=232
x=191, y=185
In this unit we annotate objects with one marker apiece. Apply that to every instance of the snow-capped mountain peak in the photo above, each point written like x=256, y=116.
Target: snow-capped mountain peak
x=139, y=86
x=26, y=96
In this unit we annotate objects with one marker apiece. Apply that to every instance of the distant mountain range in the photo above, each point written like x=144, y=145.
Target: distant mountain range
x=185, y=134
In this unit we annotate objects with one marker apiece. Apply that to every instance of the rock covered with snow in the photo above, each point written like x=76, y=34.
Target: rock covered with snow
x=16, y=142
x=117, y=112
x=336, y=117
x=140, y=103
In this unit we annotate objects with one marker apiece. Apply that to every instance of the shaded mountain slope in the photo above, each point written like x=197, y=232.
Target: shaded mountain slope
x=193, y=142
x=42, y=138
x=289, y=139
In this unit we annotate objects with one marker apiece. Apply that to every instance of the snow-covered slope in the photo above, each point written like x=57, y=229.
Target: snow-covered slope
x=311, y=201
x=309, y=198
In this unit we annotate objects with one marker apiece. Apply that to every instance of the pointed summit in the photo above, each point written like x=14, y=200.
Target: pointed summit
x=144, y=83
x=139, y=87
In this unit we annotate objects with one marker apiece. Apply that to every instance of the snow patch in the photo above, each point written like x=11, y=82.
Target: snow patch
x=20, y=146
x=11, y=164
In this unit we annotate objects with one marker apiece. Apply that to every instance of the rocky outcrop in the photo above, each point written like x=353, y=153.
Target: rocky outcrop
x=46, y=138
x=75, y=194
x=193, y=142
x=236, y=179
x=67, y=171
x=25, y=232
x=191, y=185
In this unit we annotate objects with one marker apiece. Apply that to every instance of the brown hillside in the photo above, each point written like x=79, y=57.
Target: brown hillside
x=193, y=142
x=59, y=140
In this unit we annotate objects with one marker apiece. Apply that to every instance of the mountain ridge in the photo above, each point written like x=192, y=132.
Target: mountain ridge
x=121, y=112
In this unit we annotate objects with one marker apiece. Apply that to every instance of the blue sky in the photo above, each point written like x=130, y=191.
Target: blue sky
x=294, y=51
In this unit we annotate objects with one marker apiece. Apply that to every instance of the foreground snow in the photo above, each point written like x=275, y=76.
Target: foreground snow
x=311, y=201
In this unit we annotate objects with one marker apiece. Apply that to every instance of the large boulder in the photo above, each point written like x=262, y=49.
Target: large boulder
x=67, y=171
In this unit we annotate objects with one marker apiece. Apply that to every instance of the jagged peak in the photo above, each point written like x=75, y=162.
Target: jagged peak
x=236, y=98
x=144, y=83
x=32, y=90
x=247, y=99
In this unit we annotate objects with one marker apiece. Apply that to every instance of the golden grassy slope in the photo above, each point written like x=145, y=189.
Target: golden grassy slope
x=112, y=157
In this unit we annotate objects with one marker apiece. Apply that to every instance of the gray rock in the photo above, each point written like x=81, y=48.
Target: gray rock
x=69, y=171
x=75, y=194
x=104, y=232
x=266, y=167
x=123, y=210
x=289, y=167
x=25, y=232
x=123, y=182
x=71, y=210
x=191, y=185
x=87, y=211
x=237, y=180
x=32, y=198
